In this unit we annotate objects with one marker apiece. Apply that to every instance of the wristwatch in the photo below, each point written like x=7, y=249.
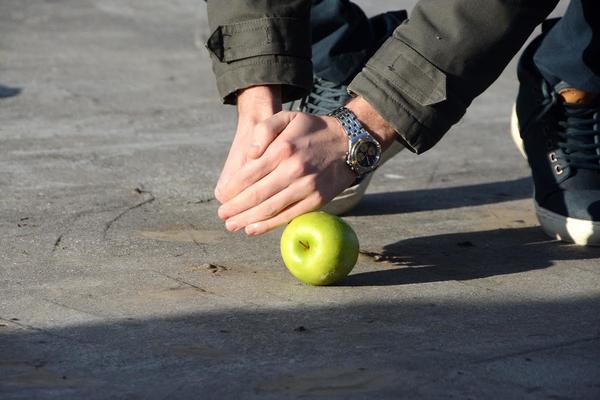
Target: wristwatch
x=364, y=152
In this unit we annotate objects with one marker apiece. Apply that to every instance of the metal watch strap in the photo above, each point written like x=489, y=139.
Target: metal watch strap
x=349, y=122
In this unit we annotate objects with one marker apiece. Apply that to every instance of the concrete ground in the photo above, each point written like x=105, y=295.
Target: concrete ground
x=118, y=281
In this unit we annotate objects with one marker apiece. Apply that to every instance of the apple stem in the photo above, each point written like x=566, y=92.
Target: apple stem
x=306, y=246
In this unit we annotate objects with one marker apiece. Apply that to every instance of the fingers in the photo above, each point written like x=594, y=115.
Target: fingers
x=250, y=197
x=272, y=206
x=311, y=203
x=235, y=159
x=317, y=192
x=233, y=163
x=251, y=140
x=248, y=175
x=254, y=170
x=266, y=132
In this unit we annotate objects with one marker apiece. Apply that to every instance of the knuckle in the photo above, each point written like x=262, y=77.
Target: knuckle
x=254, y=196
x=311, y=183
x=269, y=210
x=286, y=149
x=261, y=129
x=298, y=168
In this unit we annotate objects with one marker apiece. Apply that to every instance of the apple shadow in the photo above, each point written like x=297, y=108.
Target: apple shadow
x=466, y=255
x=442, y=198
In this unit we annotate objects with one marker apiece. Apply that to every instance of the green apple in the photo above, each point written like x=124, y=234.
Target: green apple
x=319, y=248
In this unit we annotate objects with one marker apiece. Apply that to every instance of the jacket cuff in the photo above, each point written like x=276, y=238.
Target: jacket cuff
x=271, y=50
x=410, y=93
x=293, y=74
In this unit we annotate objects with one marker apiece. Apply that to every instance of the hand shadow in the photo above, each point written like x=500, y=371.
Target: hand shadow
x=467, y=255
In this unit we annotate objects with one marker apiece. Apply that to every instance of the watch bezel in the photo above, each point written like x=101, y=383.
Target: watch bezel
x=352, y=158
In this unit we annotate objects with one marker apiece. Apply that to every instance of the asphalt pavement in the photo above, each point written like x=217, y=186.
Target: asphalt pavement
x=117, y=279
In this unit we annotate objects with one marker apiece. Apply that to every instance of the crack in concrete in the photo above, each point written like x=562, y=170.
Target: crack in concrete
x=186, y=283
x=110, y=223
x=202, y=246
x=74, y=219
x=41, y=330
x=202, y=201
x=73, y=308
x=57, y=242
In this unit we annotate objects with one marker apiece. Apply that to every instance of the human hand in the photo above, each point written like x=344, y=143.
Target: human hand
x=302, y=169
x=254, y=105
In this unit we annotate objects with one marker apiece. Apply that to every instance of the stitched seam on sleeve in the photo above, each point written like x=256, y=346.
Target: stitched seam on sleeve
x=261, y=62
x=256, y=24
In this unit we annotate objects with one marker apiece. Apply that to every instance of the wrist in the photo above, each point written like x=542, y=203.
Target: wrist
x=257, y=103
x=373, y=122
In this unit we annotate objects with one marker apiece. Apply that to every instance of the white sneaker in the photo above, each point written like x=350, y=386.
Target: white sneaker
x=351, y=196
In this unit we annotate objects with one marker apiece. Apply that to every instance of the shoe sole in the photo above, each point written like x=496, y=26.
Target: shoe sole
x=566, y=229
x=348, y=199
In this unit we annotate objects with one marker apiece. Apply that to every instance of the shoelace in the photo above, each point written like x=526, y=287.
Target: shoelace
x=324, y=97
x=579, y=136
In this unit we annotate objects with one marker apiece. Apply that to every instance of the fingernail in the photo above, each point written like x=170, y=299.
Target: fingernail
x=231, y=226
x=252, y=229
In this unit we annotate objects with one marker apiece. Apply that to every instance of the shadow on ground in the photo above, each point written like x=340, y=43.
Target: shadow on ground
x=8, y=91
x=410, y=349
x=443, y=198
x=468, y=255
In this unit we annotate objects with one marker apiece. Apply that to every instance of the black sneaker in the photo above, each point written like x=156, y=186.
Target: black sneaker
x=562, y=144
x=324, y=97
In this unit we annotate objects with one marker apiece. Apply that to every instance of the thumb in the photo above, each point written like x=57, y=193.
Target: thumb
x=266, y=131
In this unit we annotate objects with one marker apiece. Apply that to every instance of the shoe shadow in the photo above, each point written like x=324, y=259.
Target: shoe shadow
x=442, y=198
x=466, y=256
x=8, y=91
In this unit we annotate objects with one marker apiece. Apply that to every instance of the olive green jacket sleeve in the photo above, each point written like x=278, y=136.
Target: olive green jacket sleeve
x=423, y=78
x=256, y=42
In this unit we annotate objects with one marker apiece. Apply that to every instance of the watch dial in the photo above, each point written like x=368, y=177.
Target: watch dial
x=367, y=154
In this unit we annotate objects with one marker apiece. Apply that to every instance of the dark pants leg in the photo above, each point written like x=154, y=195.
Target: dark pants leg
x=344, y=38
x=570, y=52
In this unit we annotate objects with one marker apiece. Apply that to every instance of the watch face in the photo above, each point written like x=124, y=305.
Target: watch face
x=367, y=154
